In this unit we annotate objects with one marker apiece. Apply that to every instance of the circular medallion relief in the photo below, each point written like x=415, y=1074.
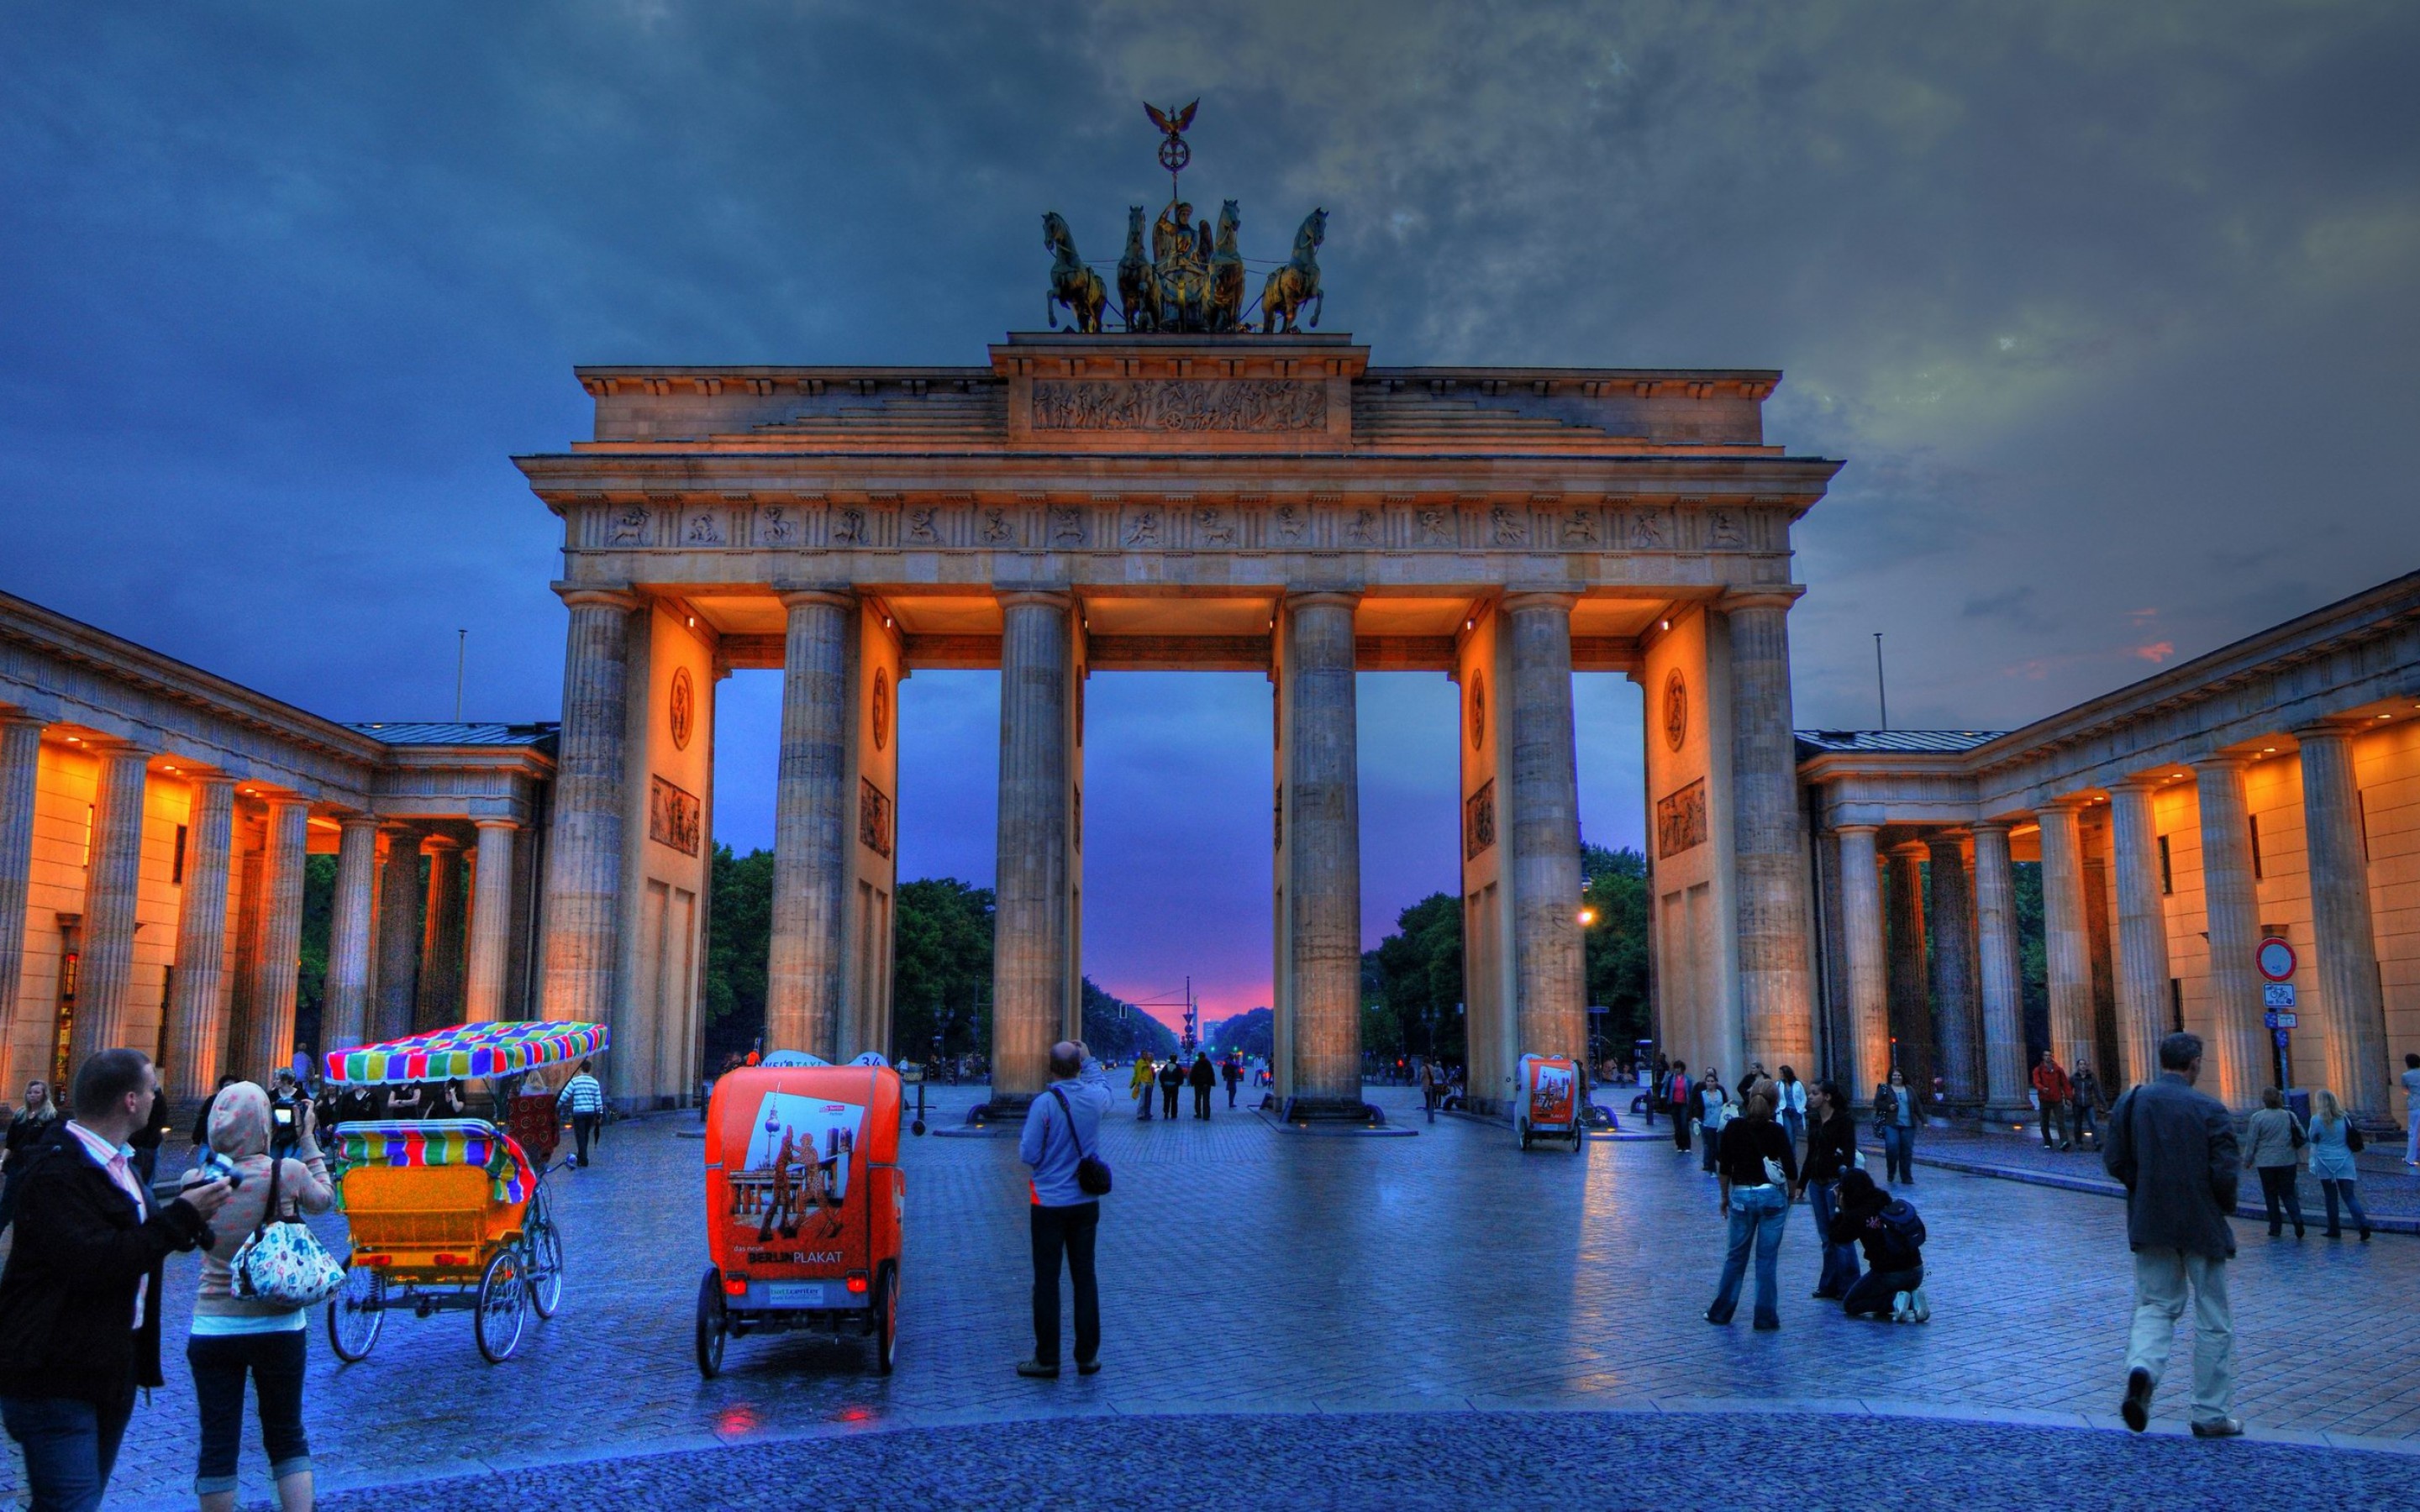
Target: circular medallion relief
x=1478, y=709
x=882, y=708
x=1676, y=709
x=681, y=708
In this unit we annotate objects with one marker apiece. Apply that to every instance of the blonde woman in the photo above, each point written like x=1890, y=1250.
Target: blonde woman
x=2333, y=1142
x=233, y=1337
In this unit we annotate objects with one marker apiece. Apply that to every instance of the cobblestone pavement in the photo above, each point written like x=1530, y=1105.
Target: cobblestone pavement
x=1250, y=1272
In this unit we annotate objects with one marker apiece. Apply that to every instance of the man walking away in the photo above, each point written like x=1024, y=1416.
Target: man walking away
x=1232, y=1070
x=2174, y=1151
x=1831, y=1153
x=1171, y=1081
x=2412, y=1108
x=585, y=1101
x=1063, y=1128
x=1202, y=1078
x=2273, y=1147
x=2086, y=1104
x=2052, y=1091
x=80, y=1299
x=1676, y=1097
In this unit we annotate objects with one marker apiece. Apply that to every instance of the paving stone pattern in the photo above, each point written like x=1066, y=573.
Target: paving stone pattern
x=1249, y=1271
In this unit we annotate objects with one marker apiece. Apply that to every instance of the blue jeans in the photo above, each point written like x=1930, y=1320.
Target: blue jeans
x=274, y=1362
x=1872, y=1297
x=2330, y=1191
x=1758, y=1215
x=1839, y=1271
x=71, y=1446
x=1899, y=1152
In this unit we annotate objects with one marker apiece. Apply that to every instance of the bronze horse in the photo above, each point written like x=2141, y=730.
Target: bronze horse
x=1138, y=286
x=1227, y=274
x=1296, y=284
x=1071, y=283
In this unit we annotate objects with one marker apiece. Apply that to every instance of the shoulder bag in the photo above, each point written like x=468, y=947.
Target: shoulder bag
x=1092, y=1172
x=281, y=1262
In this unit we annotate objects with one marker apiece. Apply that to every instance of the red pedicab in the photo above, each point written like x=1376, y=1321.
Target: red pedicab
x=803, y=1201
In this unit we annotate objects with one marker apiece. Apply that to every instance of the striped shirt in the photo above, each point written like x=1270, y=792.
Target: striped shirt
x=581, y=1095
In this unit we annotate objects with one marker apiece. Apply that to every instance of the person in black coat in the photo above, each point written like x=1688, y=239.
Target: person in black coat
x=1831, y=1154
x=1171, y=1081
x=1202, y=1077
x=80, y=1297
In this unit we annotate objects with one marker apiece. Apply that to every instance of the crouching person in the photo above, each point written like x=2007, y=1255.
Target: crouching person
x=1892, y=1235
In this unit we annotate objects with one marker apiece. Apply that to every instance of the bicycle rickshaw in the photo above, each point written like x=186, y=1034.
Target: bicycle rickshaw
x=803, y=1203
x=1546, y=1100
x=448, y=1214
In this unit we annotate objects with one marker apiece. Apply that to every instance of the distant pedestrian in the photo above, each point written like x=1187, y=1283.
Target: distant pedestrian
x=1431, y=1086
x=2273, y=1147
x=2052, y=1091
x=2174, y=1151
x=2334, y=1141
x=2412, y=1108
x=1142, y=1087
x=1892, y=1234
x=1202, y=1077
x=1831, y=1154
x=1656, y=1080
x=31, y=1131
x=1062, y=1131
x=2087, y=1102
x=585, y=1101
x=1758, y=1171
x=202, y=1116
x=1676, y=1102
x=1713, y=1111
x=146, y=1141
x=1171, y=1081
x=1896, y=1115
x=1790, y=1106
x=1231, y=1070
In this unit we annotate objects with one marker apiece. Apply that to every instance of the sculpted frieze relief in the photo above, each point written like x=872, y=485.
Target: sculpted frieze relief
x=1179, y=404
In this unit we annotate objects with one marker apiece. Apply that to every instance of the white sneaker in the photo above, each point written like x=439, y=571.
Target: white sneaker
x=1900, y=1306
x=1918, y=1310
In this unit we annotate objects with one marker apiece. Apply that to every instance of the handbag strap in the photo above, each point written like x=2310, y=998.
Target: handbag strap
x=268, y=1213
x=1071, y=1123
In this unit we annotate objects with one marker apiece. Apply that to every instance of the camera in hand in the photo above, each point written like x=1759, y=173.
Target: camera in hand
x=284, y=1114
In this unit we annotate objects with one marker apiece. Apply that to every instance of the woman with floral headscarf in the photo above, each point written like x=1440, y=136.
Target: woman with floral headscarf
x=235, y=1337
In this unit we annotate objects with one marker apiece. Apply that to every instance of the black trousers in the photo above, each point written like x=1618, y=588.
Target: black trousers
x=1201, y=1102
x=1068, y=1230
x=1231, y=1094
x=1168, y=1099
x=583, y=1128
x=275, y=1364
x=2277, y=1186
x=1680, y=1128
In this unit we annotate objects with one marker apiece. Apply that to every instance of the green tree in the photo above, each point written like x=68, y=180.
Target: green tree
x=1118, y=1030
x=740, y=934
x=1614, y=891
x=1411, y=984
x=941, y=975
x=1248, y=1034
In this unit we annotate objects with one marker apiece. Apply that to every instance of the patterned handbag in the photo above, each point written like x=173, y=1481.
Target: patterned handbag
x=281, y=1262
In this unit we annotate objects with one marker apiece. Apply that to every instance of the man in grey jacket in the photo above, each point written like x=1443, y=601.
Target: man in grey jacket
x=2174, y=1151
x=1063, y=1127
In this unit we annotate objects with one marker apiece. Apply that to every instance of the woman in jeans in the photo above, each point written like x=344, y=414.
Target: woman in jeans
x=2332, y=1164
x=233, y=1338
x=1758, y=1170
x=1894, y=1113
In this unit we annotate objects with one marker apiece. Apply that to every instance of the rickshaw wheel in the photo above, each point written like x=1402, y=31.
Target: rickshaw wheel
x=504, y=1305
x=356, y=1313
x=1525, y=1138
x=712, y=1326
x=886, y=1315
x=546, y=1267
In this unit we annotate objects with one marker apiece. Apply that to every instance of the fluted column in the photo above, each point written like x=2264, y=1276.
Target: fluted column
x=2003, y=986
x=113, y=880
x=196, y=1037
x=265, y=1034
x=2345, y=939
x=491, y=922
x=804, y=982
x=1030, y=961
x=1775, y=977
x=2067, y=948
x=2142, y=929
x=1868, y=958
x=1322, y=817
x=21, y=757
x=583, y=871
x=1911, y=992
x=2239, y=1059
x=1958, y=1012
x=440, y=943
x=396, y=999
x=1544, y=823
x=345, y=1018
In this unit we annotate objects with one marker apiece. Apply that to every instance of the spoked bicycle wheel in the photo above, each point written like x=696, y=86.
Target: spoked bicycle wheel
x=546, y=1267
x=504, y=1305
x=356, y=1313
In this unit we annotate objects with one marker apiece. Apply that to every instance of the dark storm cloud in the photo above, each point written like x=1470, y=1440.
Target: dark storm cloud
x=2107, y=306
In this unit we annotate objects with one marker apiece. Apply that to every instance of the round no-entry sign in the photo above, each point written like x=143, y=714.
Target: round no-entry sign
x=2275, y=959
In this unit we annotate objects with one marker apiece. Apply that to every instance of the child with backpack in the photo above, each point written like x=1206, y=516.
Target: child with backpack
x=1891, y=1233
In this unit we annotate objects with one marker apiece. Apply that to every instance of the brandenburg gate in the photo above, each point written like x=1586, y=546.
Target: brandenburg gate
x=1094, y=501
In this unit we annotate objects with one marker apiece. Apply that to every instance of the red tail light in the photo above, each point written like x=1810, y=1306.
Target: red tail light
x=374, y=1261
x=735, y=1284
x=453, y=1260
x=856, y=1282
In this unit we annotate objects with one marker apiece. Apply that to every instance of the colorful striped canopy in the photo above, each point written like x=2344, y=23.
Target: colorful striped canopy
x=438, y=1142
x=466, y=1050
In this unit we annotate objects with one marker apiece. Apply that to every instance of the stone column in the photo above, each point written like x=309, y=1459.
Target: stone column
x=396, y=1000
x=1323, y=815
x=1869, y=960
x=345, y=1020
x=2142, y=929
x=1911, y=994
x=1775, y=982
x=491, y=922
x=583, y=871
x=2004, y=1000
x=1958, y=1021
x=196, y=1037
x=804, y=982
x=2239, y=1062
x=2067, y=948
x=1029, y=965
x=21, y=754
x=2345, y=940
x=112, y=881
x=265, y=1034
x=440, y=943
x=1549, y=961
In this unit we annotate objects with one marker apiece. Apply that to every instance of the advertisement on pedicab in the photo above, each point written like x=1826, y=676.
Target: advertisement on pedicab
x=792, y=1185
